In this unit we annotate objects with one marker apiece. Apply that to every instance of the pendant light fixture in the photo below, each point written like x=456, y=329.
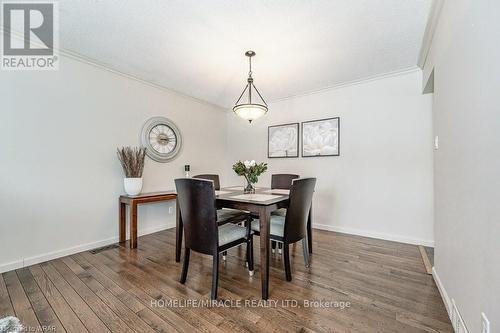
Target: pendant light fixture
x=249, y=109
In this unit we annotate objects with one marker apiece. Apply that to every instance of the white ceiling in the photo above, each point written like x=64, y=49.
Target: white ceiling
x=197, y=47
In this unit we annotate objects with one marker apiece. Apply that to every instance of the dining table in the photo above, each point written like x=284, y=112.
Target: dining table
x=261, y=203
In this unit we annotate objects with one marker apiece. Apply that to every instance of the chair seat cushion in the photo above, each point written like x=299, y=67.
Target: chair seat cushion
x=231, y=232
x=277, y=225
x=227, y=215
x=280, y=212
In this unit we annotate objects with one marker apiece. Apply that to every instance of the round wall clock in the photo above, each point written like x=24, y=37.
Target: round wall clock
x=161, y=138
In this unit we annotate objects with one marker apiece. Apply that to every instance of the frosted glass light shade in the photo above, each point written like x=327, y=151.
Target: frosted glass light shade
x=250, y=112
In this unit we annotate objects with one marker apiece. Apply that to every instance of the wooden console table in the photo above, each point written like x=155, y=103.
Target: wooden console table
x=133, y=201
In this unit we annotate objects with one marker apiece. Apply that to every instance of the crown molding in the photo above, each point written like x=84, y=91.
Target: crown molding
x=367, y=79
x=89, y=61
x=430, y=29
x=92, y=62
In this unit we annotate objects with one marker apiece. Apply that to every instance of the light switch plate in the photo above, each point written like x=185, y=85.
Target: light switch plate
x=436, y=142
x=485, y=324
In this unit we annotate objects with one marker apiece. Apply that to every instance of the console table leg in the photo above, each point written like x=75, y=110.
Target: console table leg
x=122, y=218
x=133, y=225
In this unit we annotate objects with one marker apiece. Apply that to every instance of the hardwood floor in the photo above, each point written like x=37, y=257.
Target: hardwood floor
x=123, y=290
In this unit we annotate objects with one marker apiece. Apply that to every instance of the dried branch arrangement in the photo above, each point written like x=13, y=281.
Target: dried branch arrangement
x=132, y=160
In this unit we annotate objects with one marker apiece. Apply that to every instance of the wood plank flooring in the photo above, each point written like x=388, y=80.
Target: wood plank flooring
x=370, y=285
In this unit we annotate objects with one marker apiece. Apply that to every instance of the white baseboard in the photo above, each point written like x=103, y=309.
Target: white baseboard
x=442, y=291
x=74, y=249
x=10, y=266
x=88, y=246
x=378, y=235
x=456, y=319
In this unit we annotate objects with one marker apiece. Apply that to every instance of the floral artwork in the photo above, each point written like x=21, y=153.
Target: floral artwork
x=283, y=141
x=321, y=137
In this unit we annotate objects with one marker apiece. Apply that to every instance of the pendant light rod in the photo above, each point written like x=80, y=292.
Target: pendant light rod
x=250, y=81
x=250, y=54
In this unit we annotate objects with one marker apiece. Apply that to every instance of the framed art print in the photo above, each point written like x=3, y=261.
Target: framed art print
x=283, y=141
x=321, y=137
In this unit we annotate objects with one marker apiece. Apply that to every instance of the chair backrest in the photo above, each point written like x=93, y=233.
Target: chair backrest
x=282, y=181
x=214, y=178
x=297, y=213
x=196, y=200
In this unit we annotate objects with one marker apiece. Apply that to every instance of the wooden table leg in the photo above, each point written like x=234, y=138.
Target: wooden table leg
x=178, y=232
x=309, y=231
x=264, y=217
x=133, y=225
x=122, y=220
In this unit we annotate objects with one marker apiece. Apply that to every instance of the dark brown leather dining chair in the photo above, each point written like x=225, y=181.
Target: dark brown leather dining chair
x=225, y=215
x=212, y=177
x=292, y=227
x=281, y=181
x=202, y=233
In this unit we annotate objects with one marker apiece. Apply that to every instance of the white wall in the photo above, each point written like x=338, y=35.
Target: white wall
x=59, y=175
x=381, y=184
x=465, y=56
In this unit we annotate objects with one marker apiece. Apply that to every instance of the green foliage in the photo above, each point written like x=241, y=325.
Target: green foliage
x=251, y=173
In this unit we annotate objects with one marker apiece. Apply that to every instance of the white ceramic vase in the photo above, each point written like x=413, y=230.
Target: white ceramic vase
x=133, y=186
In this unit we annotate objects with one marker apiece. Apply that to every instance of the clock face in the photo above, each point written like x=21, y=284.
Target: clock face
x=161, y=138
